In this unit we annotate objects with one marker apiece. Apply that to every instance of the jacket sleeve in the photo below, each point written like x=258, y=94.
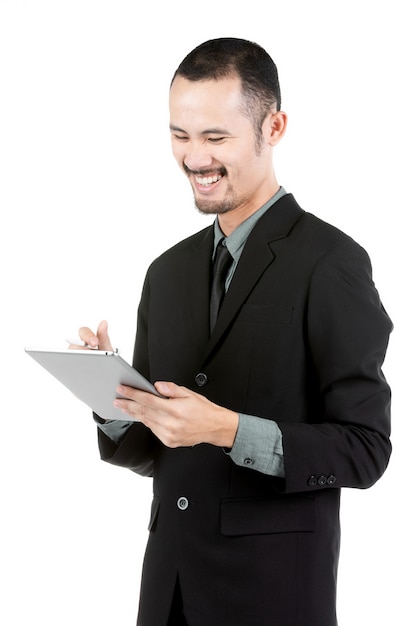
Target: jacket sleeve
x=347, y=333
x=136, y=449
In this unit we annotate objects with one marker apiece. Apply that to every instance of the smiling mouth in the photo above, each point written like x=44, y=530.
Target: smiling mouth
x=206, y=181
x=205, y=178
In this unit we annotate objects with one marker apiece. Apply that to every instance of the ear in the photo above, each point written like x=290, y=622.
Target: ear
x=276, y=127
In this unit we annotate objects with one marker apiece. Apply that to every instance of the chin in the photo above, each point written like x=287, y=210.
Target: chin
x=212, y=207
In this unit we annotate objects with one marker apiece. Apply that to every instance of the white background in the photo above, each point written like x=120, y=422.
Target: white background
x=90, y=194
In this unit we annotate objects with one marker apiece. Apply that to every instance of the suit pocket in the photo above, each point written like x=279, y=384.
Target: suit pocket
x=266, y=313
x=154, y=513
x=286, y=514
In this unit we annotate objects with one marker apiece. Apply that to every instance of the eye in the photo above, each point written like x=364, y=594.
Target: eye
x=216, y=139
x=180, y=137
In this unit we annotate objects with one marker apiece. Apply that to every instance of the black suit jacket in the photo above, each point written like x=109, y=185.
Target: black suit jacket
x=300, y=339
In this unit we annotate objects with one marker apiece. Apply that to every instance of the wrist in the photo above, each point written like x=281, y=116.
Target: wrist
x=227, y=424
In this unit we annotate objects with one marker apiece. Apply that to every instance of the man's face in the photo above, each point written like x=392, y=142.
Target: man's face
x=214, y=143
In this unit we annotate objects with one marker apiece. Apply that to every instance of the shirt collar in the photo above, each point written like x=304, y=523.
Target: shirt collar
x=237, y=239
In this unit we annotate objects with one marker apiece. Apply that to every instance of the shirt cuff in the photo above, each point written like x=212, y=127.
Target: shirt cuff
x=258, y=445
x=114, y=429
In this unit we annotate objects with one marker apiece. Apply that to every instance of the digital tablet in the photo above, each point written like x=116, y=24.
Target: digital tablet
x=92, y=376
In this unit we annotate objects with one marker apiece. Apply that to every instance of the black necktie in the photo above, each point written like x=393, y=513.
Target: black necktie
x=221, y=265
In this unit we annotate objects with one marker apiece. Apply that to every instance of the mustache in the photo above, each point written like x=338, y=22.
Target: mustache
x=204, y=172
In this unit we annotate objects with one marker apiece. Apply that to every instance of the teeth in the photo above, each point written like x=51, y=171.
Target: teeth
x=208, y=180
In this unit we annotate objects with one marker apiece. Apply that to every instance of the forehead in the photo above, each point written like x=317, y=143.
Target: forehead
x=205, y=102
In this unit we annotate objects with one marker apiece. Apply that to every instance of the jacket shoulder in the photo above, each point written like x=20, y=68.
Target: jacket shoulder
x=323, y=238
x=303, y=230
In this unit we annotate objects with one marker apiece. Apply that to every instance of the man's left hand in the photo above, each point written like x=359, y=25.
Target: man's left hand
x=181, y=418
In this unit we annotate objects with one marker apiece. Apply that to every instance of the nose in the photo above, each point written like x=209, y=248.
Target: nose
x=197, y=156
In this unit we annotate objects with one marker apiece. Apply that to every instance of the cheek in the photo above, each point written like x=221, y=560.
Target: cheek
x=253, y=167
x=178, y=152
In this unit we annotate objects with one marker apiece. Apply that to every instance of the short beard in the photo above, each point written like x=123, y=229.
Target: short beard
x=208, y=207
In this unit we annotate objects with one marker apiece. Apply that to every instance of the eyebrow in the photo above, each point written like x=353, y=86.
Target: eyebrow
x=208, y=131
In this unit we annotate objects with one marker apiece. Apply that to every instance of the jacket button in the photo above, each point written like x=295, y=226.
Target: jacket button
x=182, y=503
x=248, y=461
x=331, y=479
x=312, y=481
x=322, y=481
x=201, y=379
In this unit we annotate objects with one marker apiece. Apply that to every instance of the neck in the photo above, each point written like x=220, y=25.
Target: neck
x=229, y=221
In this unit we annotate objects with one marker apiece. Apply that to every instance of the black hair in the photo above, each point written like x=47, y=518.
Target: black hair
x=228, y=56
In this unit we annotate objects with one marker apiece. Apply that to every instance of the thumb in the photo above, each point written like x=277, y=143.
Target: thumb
x=104, y=342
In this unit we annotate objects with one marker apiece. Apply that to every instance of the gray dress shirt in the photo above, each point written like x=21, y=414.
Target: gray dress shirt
x=258, y=441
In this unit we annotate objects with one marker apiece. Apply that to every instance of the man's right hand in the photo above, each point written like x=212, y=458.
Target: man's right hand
x=100, y=341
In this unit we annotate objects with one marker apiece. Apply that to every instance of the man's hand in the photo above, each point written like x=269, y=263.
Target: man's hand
x=93, y=341
x=181, y=418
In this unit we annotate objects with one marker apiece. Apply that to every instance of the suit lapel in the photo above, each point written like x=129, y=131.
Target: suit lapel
x=196, y=286
x=257, y=255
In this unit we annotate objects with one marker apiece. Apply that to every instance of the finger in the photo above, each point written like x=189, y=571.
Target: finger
x=130, y=408
x=103, y=336
x=171, y=390
x=140, y=397
x=89, y=338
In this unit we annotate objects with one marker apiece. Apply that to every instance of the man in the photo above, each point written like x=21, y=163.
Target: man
x=272, y=404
